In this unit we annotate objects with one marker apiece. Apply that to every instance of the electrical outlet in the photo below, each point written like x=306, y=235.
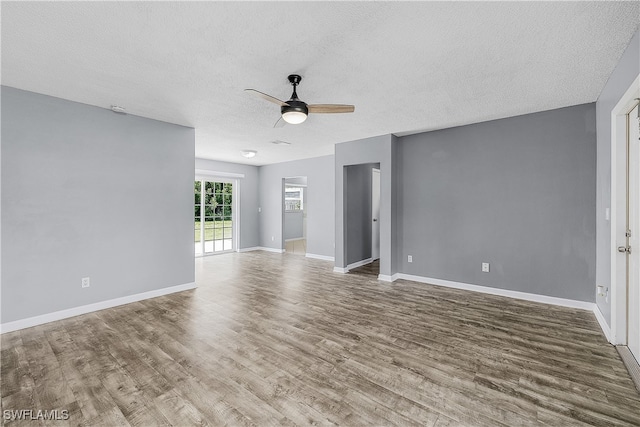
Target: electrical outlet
x=259, y=210
x=410, y=258
x=86, y=282
x=485, y=267
x=273, y=238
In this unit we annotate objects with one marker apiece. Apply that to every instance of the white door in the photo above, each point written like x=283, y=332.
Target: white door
x=215, y=227
x=375, y=214
x=633, y=259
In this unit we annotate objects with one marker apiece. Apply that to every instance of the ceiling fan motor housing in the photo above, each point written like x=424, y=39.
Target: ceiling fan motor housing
x=294, y=105
x=293, y=111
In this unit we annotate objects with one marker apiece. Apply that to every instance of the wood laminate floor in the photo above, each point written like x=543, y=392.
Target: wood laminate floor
x=270, y=339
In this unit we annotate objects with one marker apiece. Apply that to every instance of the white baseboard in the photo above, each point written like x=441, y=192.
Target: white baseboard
x=274, y=250
x=359, y=263
x=84, y=309
x=254, y=248
x=603, y=323
x=584, y=305
x=386, y=278
x=262, y=248
x=322, y=257
x=294, y=239
x=352, y=266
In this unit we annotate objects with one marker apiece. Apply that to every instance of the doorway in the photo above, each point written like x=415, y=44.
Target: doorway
x=214, y=225
x=625, y=229
x=362, y=222
x=294, y=215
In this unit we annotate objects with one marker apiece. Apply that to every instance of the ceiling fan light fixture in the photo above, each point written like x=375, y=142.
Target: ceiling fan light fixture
x=295, y=112
x=294, y=117
x=249, y=153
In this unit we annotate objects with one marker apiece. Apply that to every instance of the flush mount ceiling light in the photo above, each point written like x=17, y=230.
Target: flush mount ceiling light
x=295, y=111
x=249, y=153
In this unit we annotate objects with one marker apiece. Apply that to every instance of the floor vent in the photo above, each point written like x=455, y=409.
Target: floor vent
x=631, y=364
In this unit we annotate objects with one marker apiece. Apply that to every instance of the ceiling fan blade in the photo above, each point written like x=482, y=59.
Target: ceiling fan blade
x=331, y=108
x=267, y=97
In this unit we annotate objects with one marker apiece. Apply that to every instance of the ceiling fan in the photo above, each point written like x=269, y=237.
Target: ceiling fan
x=295, y=111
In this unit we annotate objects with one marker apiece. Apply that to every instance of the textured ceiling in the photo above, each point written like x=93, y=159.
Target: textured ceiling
x=407, y=67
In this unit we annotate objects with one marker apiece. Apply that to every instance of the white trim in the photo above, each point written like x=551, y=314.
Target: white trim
x=350, y=266
x=293, y=240
x=359, y=263
x=261, y=248
x=322, y=257
x=375, y=222
x=254, y=248
x=618, y=214
x=603, y=323
x=278, y=251
x=386, y=278
x=584, y=305
x=89, y=308
x=209, y=174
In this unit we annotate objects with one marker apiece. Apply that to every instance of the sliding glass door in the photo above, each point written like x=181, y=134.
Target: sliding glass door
x=214, y=229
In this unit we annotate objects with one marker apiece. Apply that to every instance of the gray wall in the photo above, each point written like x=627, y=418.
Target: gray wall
x=624, y=74
x=293, y=222
x=358, y=211
x=518, y=193
x=87, y=192
x=248, y=188
x=319, y=203
x=381, y=150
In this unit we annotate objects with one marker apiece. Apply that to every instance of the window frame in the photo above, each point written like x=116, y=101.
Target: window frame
x=235, y=213
x=301, y=198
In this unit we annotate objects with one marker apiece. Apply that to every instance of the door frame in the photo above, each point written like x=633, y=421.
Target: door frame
x=618, y=218
x=233, y=178
x=375, y=171
x=305, y=234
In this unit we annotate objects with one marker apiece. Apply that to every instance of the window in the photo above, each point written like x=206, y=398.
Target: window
x=293, y=198
x=213, y=217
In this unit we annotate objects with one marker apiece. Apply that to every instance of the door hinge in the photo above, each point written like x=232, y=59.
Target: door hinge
x=627, y=234
x=624, y=249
